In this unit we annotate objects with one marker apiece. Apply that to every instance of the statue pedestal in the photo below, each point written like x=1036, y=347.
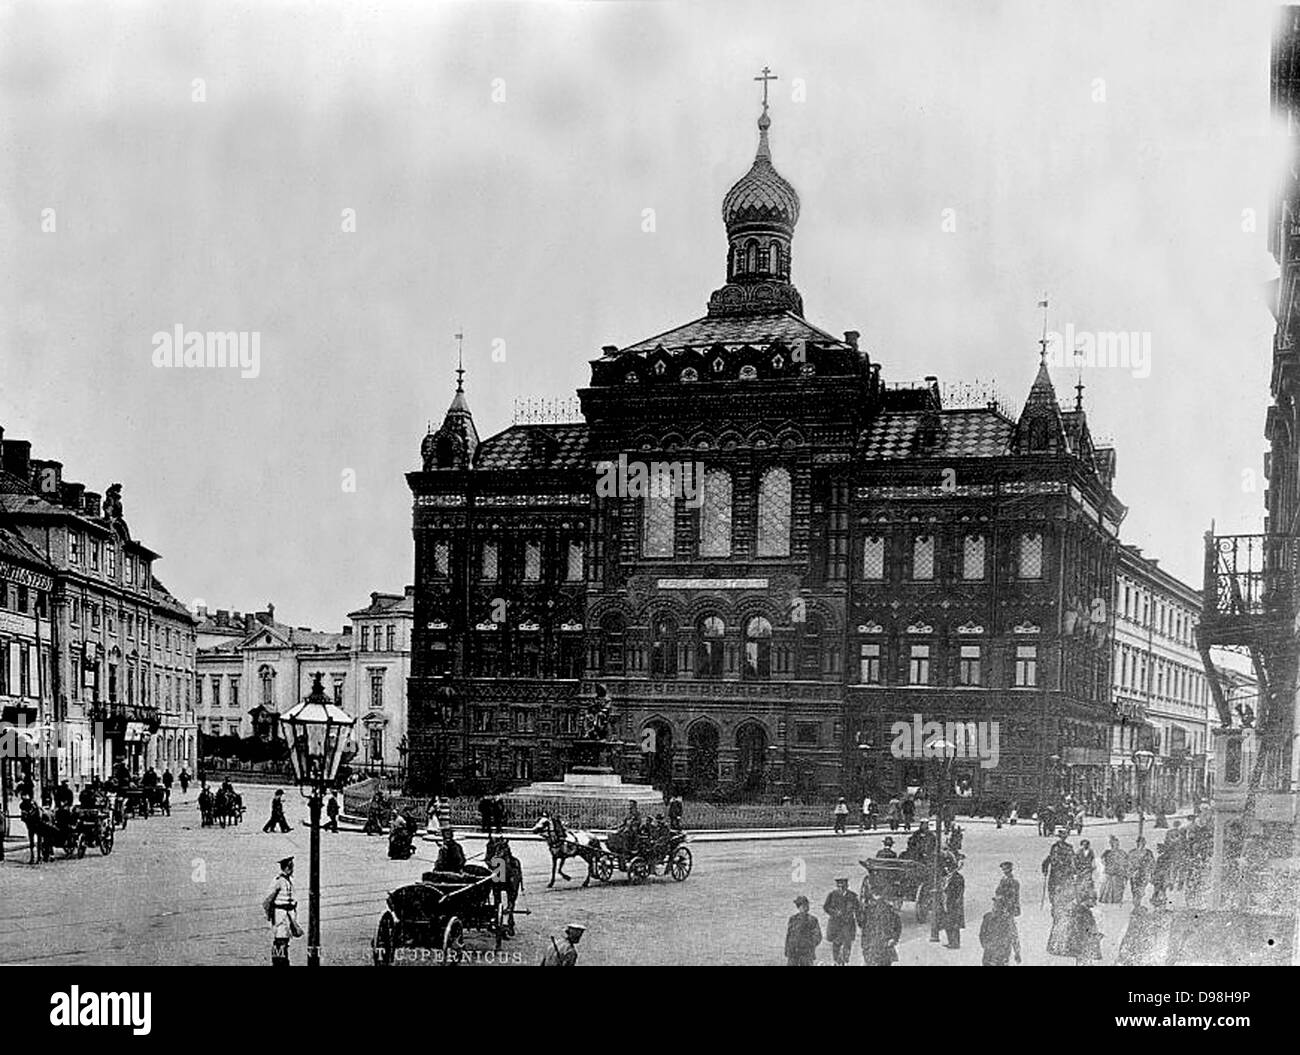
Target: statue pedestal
x=590, y=779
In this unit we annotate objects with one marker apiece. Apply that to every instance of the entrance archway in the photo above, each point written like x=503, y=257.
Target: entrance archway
x=751, y=751
x=702, y=740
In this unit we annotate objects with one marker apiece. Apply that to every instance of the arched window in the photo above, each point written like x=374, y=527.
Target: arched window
x=774, y=514
x=751, y=254
x=709, y=633
x=267, y=675
x=758, y=649
x=774, y=258
x=738, y=260
x=658, y=521
x=715, y=515
x=663, y=649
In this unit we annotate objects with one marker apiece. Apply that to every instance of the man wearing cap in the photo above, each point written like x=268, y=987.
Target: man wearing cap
x=1008, y=891
x=276, y=820
x=881, y=929
x=887, y=851
x=451, y=858
x=802, y=936
x=564, y=953
x=952, y=903
x=281, y=912
x=842, y=908
x=841, y=816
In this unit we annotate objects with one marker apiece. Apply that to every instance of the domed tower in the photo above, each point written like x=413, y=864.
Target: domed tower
x=453, y=445
x=760, y=212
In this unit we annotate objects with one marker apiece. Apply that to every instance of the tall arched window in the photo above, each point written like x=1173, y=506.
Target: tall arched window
x=709, y=633
x=774, y=258
x=612, y=631
x=751, y=254
x=758, y=649
x=738, y=260
x=267, y=675
x=810, y=648
x=663, y=649
x=715, y=515
x=774, y=514
x=658, y=517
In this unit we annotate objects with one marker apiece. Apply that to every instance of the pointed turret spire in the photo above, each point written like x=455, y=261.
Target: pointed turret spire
x=453, y=445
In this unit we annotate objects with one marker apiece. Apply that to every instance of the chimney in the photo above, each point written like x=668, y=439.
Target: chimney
x=410, y=591
x=223, y=617
x=47, y=478
x=91, y=500
x=16, y=456
x=851, y=338
x=201, y=610
x=347, y=630
x=374, y=598
x=610, y=350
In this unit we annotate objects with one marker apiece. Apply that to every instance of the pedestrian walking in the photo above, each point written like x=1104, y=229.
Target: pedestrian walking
x=1085, y=863
x=952, y=907
x=895, y=813
x=485, y=814
x=564, y=953
x=802, y=936
x=499, y=813
x=881, y=929
x=909, y=812
x=868, y=820
x=1061, y=885
x=676, y=808
x=841, y=813
x=842, y=908
x=332, y=812
x=1161, y=876
x=1008, y=890
x=277, y=819
x=1085, y=938
x=281, y=909
x=185, y=781
x=167, y=779
x=998, y=936
x=1114, y=866
x=1141, y=863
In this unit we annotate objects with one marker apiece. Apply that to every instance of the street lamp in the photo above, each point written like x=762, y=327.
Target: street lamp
x=1142, y=761
x=947, y=752
x=318, y=729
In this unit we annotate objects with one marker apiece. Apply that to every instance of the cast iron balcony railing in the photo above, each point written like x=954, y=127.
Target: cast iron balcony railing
x=1249, y=579
x=103, y=710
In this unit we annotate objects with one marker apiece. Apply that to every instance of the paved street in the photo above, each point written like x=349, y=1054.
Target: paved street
x=173, y=892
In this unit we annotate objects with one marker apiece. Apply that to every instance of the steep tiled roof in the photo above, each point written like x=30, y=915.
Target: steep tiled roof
x=15, y=548
x=10, y=484
x=972, y=433
x=737, y=330
x=534, y=447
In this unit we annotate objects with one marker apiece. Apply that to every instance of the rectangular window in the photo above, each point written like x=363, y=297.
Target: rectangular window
x=869, y=664
x=532, y=561
x=1031, y=556
x=969, y=672
x=659, y=515
x=95, y=546
x=918, y=668
x=365, y=639
x=377, y=689
x=338, y=689
x=807, y=734
x=234, y=693
x=112, y=561
x=441, y=558
x=923, y=558
x=482, y=720
x=972, y=558
x=488, y=562
x=74, y=547
x=74, y=612
x=1026, y=666
x=574, y=571
x=392, y=635
x=94, y=617
x=873, y=558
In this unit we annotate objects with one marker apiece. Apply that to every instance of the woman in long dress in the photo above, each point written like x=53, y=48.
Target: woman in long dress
x=1114, y=863
x=1085, y=863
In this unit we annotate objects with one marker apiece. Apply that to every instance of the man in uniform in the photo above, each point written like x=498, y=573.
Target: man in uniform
x=952, y=905
x=881, y=929
x=332, y=811
x=802, y=936
x=564, y=953
x=281, y=908
x=1008, y=891
x=887, y=851
x=451, y=858
x=842, y=908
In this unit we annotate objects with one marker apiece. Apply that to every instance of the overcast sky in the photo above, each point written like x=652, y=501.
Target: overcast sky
x=498, y=159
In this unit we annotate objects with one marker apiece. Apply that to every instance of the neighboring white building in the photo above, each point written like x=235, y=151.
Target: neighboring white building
x=252, y=669
x=1162, y=701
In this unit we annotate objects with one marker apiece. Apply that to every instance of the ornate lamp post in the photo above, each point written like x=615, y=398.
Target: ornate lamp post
x=318, y=730
x=947, y=752
x=1142, y=761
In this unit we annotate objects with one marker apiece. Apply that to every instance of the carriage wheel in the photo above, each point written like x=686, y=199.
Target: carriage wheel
x=453, y=940
x=81, y=844
x=381, y=949
x=604, y=867
x=106, y=838
x=680, y=865
x=638, y=869
x=499, y=929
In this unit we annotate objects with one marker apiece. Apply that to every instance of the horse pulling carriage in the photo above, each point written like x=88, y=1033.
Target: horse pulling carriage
x=435, y=913
x=643, y=854
x=71, y=829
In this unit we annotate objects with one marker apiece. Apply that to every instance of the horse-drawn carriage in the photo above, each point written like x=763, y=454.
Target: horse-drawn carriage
x=133, y=799
x=900, y=879
x=644, y=853
x=70, y=829
x=435, y=913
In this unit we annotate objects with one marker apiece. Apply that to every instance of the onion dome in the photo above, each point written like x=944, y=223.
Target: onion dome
x=762, y=195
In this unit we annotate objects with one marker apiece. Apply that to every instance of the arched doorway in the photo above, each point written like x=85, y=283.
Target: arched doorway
x=751, y=750
x=657, y=765
x=702, y=740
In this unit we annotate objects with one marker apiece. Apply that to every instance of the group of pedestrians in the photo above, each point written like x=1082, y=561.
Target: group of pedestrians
x=848, y=913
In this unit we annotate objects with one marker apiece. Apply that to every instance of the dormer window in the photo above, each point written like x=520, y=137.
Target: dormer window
x=718, y=365
x=660, y=368
x=690, y=374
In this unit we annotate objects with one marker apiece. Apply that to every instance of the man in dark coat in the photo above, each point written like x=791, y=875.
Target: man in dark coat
x=277, y=818
x=1008, y=891
x=887, y=851
x=998, y=936
x=485, y=813
x=451, y=858
x=952, y=910
x=881, y=929
x=842, y=908
x=802, y=936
